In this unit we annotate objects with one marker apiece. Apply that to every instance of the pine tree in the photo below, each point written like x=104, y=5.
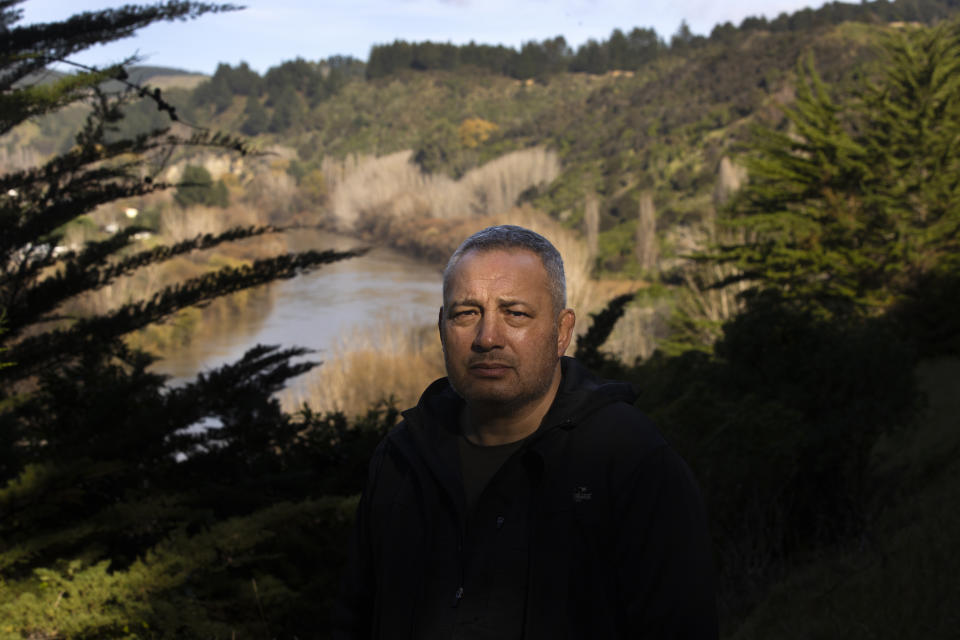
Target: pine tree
x=914, y=120
x=256, y=117
x=855, y=201
x=289, y=111
x=119, y=516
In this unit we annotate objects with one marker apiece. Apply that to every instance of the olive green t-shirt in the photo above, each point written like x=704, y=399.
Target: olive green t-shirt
x=478, y=465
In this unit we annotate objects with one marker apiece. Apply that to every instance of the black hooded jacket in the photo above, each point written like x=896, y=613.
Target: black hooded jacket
x=596, y=515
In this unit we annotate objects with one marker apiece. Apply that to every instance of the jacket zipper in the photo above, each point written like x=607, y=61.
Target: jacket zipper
x=458, y=594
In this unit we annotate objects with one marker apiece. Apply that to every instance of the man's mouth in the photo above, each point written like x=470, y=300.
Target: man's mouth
x=489, y=369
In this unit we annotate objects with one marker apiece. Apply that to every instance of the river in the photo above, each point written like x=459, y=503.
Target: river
x=313, y=310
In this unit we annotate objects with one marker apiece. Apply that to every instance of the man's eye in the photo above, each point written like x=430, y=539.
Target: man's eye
x=517, y=314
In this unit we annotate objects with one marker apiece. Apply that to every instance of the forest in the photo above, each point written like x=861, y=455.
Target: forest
x=761, y=228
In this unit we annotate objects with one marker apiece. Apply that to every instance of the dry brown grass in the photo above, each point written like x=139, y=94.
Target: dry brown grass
x=699, y=299
x=273, y=194
x=636, y=334
x=178, y=81
x=393, y=186
x=390, y=200
x=14, y=158
x=367, y=366
x=177, y=224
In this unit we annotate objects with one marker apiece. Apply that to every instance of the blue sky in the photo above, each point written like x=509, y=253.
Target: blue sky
x=268, y=32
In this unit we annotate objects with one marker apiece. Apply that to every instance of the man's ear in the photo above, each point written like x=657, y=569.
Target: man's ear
x=565, y=326
x=440, y=325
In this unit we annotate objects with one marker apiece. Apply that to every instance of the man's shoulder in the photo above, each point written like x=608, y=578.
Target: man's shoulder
x=618, y=427
x=397, y=438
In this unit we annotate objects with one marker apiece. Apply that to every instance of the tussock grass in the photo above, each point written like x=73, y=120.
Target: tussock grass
x=390, y=200
x=635, y=335
x=177, y=224
x=394, y=186
x=386, y=362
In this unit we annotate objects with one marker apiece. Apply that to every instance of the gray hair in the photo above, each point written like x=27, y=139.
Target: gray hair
x=509, y=236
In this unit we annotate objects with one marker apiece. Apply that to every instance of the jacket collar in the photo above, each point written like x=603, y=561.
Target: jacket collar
x=428, y=436
x=582, y=393
x=433, y=424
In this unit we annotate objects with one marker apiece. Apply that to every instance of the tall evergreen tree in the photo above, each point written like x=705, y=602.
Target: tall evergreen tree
x=913, y=117
x=256, y=120
x=119, y=516
x=854, y=201
x=288, y=111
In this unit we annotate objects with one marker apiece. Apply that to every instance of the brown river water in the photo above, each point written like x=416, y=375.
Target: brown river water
x=316, y=309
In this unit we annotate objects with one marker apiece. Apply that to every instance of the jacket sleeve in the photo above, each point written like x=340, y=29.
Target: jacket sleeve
x=353, y=611
x=666, y=571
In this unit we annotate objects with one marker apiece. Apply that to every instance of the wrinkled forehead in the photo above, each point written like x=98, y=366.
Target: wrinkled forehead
x=477, y=267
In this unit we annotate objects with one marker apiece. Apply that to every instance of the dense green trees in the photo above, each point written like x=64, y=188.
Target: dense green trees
x=850, y=223
x=290, y=87
x=852, y=204
x=242, y=80
x=794, y=422
x=925, y=11
x=255, y=117
x=198, y=187
x=534, y=59
x=637, y=48
x=217, y=92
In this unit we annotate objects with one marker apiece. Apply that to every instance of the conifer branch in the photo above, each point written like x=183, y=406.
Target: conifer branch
x=80, y=273
x=35, y=353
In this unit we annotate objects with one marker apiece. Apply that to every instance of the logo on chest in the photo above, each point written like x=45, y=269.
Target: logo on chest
x=582, y=494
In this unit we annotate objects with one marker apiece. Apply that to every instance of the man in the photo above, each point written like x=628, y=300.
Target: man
x=522, y=497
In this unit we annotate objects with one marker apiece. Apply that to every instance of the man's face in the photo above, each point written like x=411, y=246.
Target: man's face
x=502, y=338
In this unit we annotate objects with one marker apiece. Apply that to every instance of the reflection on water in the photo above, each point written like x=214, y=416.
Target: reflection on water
x=314, y=309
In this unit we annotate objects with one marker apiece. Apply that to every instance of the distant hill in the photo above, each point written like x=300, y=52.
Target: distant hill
x=163, y=77
x=166, y=77
x=178, y=81
x=661, y=128
x=637, y=117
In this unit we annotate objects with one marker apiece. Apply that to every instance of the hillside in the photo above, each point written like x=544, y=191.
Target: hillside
x=663, y=128
x=647, y=153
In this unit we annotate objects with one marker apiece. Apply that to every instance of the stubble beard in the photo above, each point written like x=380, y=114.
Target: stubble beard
x=504, y=396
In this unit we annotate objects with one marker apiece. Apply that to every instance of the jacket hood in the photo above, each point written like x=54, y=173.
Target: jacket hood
x=432, y=425
x=581, y=393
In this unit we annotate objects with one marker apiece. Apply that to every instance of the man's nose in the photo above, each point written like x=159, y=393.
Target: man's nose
x=489, y=333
